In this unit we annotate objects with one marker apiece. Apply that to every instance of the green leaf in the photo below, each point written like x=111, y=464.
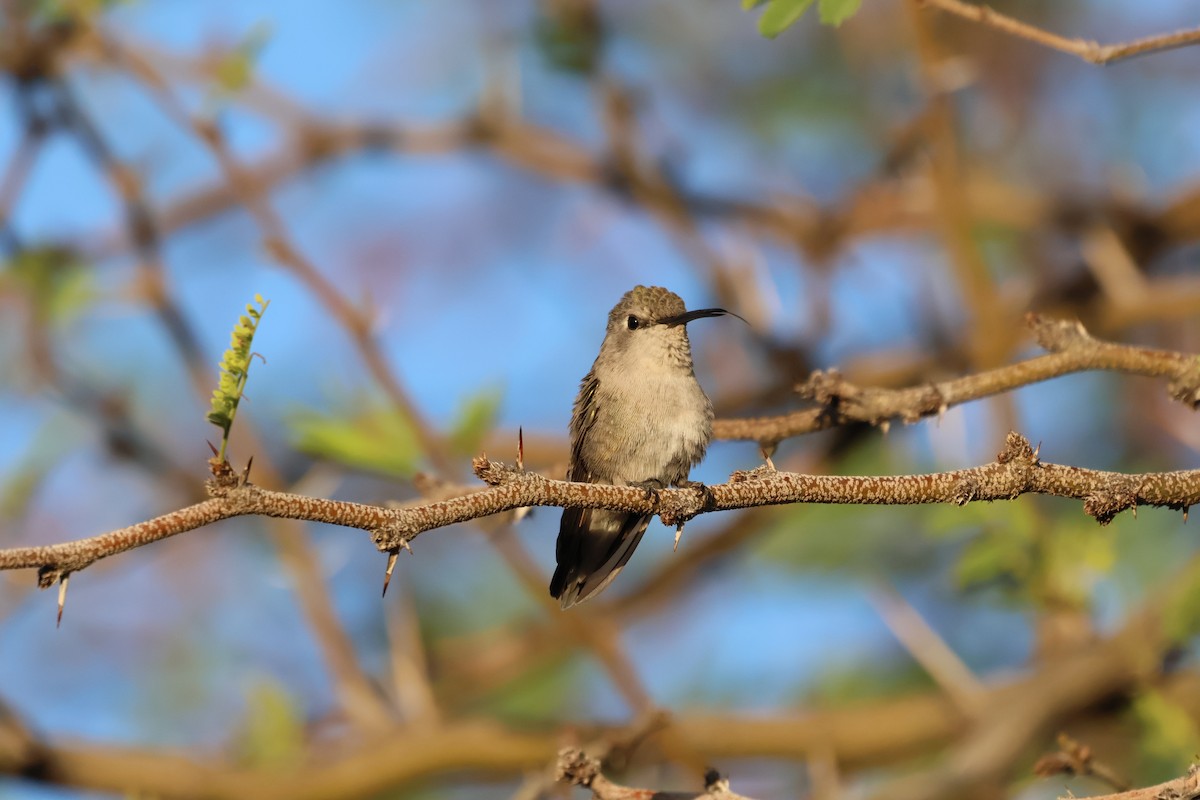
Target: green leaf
x=749, y=4
x=835, y=12
x=475, y=420
x=273, y=729
x=374, y=437
x=780, y=15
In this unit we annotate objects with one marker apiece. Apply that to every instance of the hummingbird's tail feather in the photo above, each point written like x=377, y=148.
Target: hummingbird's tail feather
x=593, y=546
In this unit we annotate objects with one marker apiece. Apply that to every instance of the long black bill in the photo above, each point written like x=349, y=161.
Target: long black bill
x=688, y=316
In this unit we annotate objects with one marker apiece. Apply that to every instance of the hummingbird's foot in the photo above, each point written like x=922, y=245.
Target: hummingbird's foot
x=651, y=488
x=706, y=493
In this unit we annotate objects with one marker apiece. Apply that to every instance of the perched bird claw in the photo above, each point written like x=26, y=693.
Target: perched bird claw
x=651, y=488
x=709, y=500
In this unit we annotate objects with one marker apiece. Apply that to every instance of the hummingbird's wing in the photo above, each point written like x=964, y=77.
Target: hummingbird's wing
x=593, y=544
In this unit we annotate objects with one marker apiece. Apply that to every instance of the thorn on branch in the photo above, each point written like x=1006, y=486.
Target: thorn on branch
x=387, y=574
x=62, y=598
x=245, y=476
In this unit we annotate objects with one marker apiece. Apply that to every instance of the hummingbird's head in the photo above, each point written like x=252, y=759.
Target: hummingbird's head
x=651, y=322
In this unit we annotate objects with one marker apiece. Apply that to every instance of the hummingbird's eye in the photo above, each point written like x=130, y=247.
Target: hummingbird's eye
x=633, y=322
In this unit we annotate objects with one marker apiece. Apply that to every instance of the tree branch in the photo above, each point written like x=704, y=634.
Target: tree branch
x=1072, y=349
x=1092, y=52
x=1016, y=471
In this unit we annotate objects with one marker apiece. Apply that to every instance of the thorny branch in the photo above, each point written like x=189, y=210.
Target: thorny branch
x=1016, y=471
x=1071, y=348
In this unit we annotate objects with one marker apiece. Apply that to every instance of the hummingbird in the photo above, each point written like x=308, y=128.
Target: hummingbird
x=641, y=419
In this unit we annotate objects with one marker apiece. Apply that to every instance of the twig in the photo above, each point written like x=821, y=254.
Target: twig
x=1089, y=51
x=1072, y=350
x=1073, y=758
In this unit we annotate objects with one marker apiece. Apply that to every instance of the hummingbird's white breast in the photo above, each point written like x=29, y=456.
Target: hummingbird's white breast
x=653, y=420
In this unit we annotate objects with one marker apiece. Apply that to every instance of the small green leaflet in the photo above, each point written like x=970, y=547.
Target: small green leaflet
x=835, y=12
x=781, y=14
